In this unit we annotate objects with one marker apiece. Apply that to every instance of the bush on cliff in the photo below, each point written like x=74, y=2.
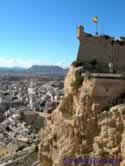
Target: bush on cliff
x=78, y=82
x=106, y=36
x=77, y=63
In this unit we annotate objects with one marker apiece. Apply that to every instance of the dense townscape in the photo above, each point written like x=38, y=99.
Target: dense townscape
x=23, y=102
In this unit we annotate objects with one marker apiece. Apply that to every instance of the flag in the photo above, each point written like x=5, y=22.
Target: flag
x=95, y=19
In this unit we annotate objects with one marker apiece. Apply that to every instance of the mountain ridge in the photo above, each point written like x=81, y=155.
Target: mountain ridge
x=35, y=69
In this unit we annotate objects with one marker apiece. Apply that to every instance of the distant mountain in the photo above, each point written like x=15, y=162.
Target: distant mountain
x=36, y=69
x=46, y=69
x=12, y=69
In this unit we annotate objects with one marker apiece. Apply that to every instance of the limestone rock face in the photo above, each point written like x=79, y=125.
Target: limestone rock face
x=78, y=128
x=69, y=79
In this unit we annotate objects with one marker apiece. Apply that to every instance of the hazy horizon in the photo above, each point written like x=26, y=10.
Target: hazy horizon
x=50, y=65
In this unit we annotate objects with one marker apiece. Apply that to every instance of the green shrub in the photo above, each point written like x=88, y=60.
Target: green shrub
x=106, y=36
x=77, y=63
x=78, y=82
x=34, y=120
x=89, y=35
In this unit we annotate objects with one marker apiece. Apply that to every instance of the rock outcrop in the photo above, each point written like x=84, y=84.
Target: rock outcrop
x=81, y=131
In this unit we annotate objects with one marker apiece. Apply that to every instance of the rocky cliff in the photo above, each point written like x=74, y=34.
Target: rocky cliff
x=80, y=132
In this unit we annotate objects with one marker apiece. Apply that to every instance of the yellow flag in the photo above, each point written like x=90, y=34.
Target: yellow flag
x=95, y=19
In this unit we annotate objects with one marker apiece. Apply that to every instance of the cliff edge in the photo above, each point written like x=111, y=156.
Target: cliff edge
x=85, y=129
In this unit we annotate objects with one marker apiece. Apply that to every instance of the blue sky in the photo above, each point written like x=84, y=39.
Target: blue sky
x=44, y=31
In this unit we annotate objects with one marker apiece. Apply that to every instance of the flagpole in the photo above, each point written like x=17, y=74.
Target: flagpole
x=97, y=28
x=95, y=20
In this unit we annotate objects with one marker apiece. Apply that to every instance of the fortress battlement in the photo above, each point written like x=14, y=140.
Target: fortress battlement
x=102, y=48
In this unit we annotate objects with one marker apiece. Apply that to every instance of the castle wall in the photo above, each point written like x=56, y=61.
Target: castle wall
x=101, y=49
x=105, y=90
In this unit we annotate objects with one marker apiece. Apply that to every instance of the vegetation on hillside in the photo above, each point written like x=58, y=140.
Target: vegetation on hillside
x=78, y=81
x=77, y=63
x=34, y=120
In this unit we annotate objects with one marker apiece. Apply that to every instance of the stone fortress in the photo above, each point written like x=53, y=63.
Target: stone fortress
x=103, y=58
x=105, y=49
